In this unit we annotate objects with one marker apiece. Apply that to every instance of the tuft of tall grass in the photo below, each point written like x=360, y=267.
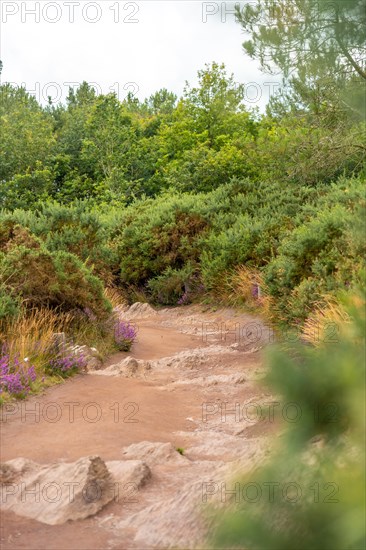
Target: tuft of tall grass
x=324, y=322
x=31, y=333
x=246, y=285
x=115, y=297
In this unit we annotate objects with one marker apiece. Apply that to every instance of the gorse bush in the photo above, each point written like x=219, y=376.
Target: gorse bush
x=176, y=286
x=9, y=303
x=158, y=235
x=73, y=229
x=43, y=278
x=311, y=262
x=301, y=252
x=305, y=242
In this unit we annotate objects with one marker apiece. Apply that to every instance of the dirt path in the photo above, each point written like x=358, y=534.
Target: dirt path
x=198, y=393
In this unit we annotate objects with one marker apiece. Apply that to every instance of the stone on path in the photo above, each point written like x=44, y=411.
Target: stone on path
x=56, y=493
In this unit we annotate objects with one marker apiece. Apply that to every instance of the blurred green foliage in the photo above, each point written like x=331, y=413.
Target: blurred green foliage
x=310, y=492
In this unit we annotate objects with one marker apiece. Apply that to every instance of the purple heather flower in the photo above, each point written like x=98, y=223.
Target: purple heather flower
x=65, y=363
x=15, y=376
x=124, y=335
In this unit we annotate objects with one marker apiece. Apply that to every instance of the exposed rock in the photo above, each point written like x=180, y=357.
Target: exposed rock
x=179, y=517
x=56, y=493
x=172, y=523
x=93, y=358
x=12, y=471
x=212, y=380
x=93, y=363
x=154, y=453
x=211, y=443
x=193, y=357
x=129, y=476
x=139, y=310
x=129, y=368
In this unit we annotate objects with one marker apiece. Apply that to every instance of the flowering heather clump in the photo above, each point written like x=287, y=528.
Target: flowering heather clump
x=65, y=363
x=124, y=335
x=16, y=376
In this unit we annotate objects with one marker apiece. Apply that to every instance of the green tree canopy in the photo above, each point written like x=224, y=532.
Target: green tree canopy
x=215, y=102
x=306, y=36
x=26, y=132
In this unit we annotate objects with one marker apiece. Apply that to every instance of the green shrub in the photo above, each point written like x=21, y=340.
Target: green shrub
x=9, y=304
x=157, y=235
x=175, y=286
x=309, y=262
x=28, y=189
x=75, y=229
x=55, y=279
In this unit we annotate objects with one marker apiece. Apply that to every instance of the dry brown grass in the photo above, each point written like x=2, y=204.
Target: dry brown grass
x=325, y=322
x=31, y=333
x=240, y=287
x=115, y=297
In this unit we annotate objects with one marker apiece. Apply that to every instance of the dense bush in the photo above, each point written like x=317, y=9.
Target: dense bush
x=304, y=250
x=310, y=262
x=73, y=229
x=176, y=286
x=56, y=279
x=9, y=302
x=158, y=235
x=306, y=242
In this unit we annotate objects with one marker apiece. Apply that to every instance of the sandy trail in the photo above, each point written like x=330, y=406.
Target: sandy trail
x=213, y=366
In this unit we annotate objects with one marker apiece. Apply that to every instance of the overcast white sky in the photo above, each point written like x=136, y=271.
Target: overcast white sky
x=123, y=46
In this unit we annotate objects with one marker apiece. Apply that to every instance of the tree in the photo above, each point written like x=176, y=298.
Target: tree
x=108, y=137
x=319, y=47
x=306, y=36
x=162, y=102
x=26, y=132
x=216, y=102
